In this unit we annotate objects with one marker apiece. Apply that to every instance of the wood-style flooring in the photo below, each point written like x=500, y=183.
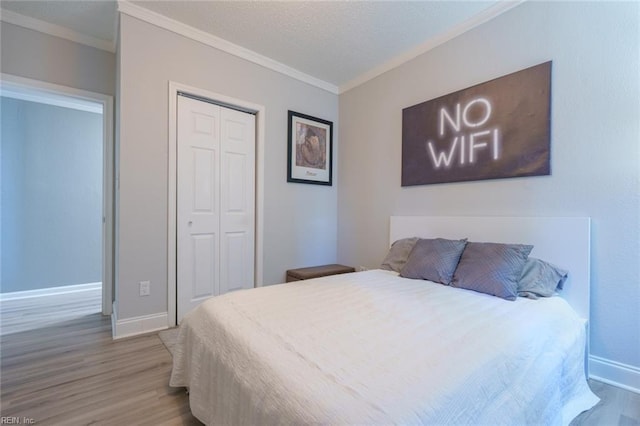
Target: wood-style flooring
x=60, y=366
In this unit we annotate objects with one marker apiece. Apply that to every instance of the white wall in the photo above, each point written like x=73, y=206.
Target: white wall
x=300, y=221
x=51, y=166
x=595, y=148
x=38, y=56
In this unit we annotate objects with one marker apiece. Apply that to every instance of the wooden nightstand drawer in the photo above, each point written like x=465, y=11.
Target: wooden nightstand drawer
x=317, y=271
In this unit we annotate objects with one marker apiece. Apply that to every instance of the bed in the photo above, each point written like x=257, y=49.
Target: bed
x=374, y=347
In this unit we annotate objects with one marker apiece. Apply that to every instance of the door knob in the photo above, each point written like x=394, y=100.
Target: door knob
x=190, y=223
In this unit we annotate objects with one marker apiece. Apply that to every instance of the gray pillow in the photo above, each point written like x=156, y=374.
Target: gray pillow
x=398, y=254
x=492, y=268
x=434, y=260
x=540, y=278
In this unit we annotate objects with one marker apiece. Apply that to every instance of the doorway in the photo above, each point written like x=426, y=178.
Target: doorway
x=216, y=197
x=235, y=244
x=56, y=191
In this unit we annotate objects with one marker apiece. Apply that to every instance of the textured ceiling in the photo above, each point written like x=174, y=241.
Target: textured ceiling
x=334, y=41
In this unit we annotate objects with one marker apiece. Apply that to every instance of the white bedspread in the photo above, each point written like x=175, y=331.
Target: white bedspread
x=374, y=348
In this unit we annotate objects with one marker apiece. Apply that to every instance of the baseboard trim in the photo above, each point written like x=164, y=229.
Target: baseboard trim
x=52, y=291
x=614, y=373
x=138, y=325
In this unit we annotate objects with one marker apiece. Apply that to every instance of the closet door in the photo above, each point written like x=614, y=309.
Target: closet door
x=198, y=197
x=215, y=196
x=237, y=216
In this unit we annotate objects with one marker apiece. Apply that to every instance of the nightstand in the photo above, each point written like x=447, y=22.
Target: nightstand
x=317, y=271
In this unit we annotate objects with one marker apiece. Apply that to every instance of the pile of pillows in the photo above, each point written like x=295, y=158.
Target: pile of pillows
x=502, y=270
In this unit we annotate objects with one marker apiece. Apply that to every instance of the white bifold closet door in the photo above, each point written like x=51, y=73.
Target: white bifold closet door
x=216, y=202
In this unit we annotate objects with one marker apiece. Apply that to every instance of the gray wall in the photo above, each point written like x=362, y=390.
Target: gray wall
x=300, y=220
x=35, y=55
x=51, y=196
x=595, y=149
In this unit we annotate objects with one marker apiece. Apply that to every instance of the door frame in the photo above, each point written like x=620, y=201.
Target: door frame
x=13, y=82
x=172, y=215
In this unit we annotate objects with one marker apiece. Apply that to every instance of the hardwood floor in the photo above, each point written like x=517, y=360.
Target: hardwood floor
x=616, y=407
x=59, y=366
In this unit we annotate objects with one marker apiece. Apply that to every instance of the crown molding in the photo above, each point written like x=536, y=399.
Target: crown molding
x=180, y=28
x=486, y=15
x=218, y=43
x=55, y=30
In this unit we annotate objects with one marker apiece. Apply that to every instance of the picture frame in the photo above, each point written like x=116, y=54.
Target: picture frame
x=310, y=149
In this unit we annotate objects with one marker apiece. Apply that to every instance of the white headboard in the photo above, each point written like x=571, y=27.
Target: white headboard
x=563, y=241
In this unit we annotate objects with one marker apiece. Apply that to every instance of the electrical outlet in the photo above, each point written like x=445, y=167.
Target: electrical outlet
x=145, y=288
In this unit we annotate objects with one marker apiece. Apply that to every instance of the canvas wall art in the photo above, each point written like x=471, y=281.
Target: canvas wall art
x=497, y=129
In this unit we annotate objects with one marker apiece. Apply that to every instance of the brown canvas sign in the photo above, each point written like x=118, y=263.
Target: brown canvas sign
x=496, y=129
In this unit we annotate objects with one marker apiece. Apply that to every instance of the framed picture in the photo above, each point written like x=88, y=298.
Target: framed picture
x=310, y=149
